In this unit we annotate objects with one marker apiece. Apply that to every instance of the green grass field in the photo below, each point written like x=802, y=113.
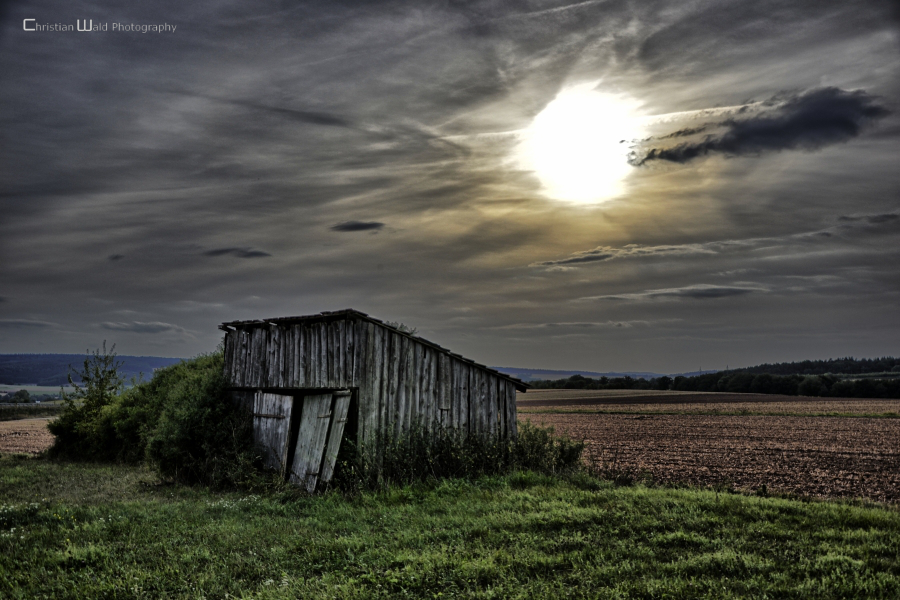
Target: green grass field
x=95, y=531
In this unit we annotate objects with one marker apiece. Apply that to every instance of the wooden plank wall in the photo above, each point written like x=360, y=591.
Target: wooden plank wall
x=402, y=382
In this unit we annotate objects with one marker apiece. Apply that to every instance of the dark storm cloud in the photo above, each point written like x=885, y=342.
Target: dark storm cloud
x=238, y=252
x=699, y=291
x=808, y=121
x=357, y=226
x=142, y=327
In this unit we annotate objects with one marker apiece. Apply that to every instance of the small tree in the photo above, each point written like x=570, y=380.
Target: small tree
x=100, y=382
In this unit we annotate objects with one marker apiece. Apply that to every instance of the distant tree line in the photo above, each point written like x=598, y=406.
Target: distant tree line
x=740, y=382
x=580, y=382
x=789, y=385
x=845, y=366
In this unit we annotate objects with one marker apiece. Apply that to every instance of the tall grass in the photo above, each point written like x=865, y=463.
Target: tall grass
x=423, y=454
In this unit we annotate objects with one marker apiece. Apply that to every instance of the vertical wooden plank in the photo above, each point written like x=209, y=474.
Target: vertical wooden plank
x=254, y=357
x=350, y=363
x=375, y=416
x=262, y=363
x=248, y=358
x=331, y=337
x=385, y=402
x=388, y=409
x=500, y=394
x=228, y=367
x=241, y=375
x=490, y=389
x=393, y=395
x=359, y=336
x=314, y=423
x=266, y=375
x=484, y=394
x=444, y=400
x=273, y=340
x=339, y=354
x=287, y=367
x=295, y=356
x=322, y=330
x=430, y=395
x=307, y=358
x=368, y=401
x=374, y=372
x=315, y=334
x=458, y=395
x=512, y=418
x=415, y=378
x=495, y=405
x=401, y=399
x=335, y=434
x=474, y=400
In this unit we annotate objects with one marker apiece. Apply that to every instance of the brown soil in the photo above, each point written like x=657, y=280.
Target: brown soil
x=823, y=457
x=25, y=436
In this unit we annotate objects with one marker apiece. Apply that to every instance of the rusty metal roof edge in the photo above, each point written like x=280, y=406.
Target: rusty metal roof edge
x=350, y=312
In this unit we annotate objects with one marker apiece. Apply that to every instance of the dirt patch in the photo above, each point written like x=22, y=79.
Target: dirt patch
x=824, y=457
x=25, y=436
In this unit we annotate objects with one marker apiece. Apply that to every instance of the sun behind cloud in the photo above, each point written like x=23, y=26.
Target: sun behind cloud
x=578, y=145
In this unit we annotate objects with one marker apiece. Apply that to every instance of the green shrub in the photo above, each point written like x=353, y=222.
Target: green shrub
x=200, y=436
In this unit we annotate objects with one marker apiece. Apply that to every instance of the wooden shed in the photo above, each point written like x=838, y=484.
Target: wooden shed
x=317, y=380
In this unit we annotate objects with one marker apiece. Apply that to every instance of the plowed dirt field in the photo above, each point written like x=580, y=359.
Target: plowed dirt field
x=820, y=456
x=25, y=436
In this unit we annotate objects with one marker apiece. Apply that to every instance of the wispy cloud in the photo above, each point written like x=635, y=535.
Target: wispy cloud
x=26, y=324
x=700, y=291
x=848, y=226
x=577, y=325
x=604, y=253
x=142, y=327
x=807, y=121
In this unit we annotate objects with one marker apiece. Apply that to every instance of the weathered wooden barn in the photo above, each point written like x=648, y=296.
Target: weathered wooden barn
x=317, y=380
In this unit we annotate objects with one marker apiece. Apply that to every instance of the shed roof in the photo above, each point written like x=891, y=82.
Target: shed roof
x=349, y=313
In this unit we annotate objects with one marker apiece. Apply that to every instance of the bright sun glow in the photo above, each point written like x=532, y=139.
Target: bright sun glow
x=578, y=145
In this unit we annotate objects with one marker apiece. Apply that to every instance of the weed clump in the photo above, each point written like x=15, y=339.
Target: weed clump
x=434, y=454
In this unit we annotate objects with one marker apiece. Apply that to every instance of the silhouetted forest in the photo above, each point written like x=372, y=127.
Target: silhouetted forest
x=841, y=378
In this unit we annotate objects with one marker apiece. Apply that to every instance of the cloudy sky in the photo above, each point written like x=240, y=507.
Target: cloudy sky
x=598, y=185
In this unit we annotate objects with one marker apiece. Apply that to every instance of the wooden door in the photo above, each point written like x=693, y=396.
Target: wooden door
x=272, y=428
x=319, y=438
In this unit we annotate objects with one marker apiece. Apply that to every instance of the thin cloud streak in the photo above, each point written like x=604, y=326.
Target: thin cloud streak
x=698, y=291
